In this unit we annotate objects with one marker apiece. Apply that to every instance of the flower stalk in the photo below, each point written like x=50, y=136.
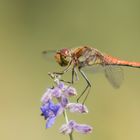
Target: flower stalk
x=67, y=121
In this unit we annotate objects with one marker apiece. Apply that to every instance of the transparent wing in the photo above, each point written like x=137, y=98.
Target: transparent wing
x=49, y=55
x=114, y=75
x=94, y=69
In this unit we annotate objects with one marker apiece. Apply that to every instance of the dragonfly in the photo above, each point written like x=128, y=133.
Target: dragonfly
x=85, y=56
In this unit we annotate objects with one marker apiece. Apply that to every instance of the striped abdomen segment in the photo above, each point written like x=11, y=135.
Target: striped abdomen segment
x=109, y=60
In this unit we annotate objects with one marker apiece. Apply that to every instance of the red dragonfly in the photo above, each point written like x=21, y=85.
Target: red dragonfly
x=86, y=56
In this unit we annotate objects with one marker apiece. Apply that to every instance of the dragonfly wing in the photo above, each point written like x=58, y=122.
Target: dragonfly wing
x=114, y=75
x=49, y=55
x=94, y=69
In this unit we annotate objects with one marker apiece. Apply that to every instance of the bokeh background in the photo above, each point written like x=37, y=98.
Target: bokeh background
x=27, y=27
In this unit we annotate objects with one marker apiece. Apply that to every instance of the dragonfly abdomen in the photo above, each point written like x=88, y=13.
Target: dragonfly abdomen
x=130, y=64
x=109, y=60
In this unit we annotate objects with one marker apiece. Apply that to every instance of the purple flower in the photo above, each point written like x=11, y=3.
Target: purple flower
x=61, y=85
x=50, y=111
x=50, y=93
x=47, y=96
x=66, y=129
x=83, y=128
x=67, y=90
x=70, y=91
x=72, y=125
x=77, y=107
x=57, y=92
x=64, y=101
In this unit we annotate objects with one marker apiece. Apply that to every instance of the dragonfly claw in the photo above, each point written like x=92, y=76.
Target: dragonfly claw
x=54, y=76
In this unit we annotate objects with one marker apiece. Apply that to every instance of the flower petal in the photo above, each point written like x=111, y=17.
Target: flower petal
x=83, y=128
x=61, y=85
x=60, y=111
x=77, y=107
x=54, y=108
x=57, y=92
x=70, y=91
x=72, y=125
x=50, y=111
x=47, y=96
x=45, y=111
x=65, y=129
x=64, y=101
x=50, y=121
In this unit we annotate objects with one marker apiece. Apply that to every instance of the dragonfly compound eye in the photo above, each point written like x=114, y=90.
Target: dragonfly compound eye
x=62, y=60
x=64, y=52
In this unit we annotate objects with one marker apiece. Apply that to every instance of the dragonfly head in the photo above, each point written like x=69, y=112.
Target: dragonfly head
x=63, y=57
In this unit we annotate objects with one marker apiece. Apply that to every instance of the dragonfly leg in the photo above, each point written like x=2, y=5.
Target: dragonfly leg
x=82, y=94
x=54, y=76
x=69, y=82
x=74, y=73
x=86, y=95
x=65, y=70
x=88, y=86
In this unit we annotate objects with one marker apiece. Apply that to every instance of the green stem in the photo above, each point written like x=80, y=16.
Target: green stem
x=71, y=136
x=67, y=121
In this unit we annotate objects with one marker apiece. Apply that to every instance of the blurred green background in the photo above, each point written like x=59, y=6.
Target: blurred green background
x=27, y=27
